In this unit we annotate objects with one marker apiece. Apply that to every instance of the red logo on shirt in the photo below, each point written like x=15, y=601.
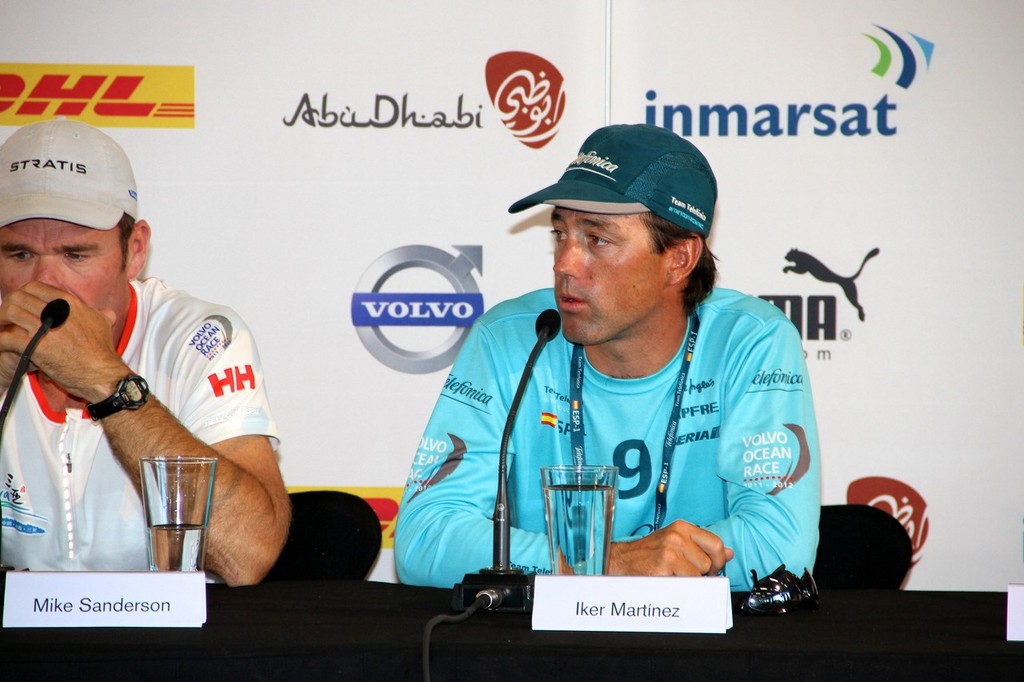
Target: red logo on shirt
x=233, y=380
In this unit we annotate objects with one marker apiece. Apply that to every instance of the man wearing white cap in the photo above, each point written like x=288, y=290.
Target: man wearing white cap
x=698, y=395
x=137, y=369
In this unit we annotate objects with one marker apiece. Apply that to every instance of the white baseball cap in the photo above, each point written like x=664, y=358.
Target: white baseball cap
x=65, y=170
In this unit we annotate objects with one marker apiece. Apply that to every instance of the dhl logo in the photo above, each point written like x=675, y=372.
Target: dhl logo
x=98, y=94
x=384, y=502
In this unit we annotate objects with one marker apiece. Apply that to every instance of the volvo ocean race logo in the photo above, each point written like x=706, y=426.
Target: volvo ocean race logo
x=374, y=309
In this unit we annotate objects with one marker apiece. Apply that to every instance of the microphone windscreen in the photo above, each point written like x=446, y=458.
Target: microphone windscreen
x=550, y=322
x=57, y=311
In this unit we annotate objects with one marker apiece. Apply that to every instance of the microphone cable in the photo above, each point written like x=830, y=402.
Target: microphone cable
x=488, y=598
x=54, y=315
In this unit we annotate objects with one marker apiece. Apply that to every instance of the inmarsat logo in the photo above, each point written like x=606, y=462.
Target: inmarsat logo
x=526, y=91
x=802, y=117
x=373, y=309
x=909, y=69
x=815, y=315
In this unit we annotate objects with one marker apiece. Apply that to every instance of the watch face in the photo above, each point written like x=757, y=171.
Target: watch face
x=133, y=392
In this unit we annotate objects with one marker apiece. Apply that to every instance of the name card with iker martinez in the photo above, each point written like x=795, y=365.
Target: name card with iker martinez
x=44, y=599
x=632, y=604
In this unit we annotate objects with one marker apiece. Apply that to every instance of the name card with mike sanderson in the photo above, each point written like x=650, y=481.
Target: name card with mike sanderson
x=632, y=604
x=69, y=599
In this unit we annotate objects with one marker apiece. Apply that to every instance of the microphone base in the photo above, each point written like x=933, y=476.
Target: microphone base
x=516, y=590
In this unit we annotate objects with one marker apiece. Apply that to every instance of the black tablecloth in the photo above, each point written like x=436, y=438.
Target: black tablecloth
x=365, y=630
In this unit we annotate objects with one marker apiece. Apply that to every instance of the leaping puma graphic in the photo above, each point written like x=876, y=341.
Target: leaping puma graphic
x=806, y=263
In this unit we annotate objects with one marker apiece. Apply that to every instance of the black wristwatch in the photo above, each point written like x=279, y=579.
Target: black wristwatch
x=131, y=394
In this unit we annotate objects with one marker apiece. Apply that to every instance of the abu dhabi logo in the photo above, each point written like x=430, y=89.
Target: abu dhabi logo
x=374, y=309
x=899, y=499
x=388, y=111
x=526, y=91
x=908, y=70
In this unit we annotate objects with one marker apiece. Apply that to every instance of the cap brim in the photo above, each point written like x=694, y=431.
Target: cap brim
x=580, y=196
x=84, y=213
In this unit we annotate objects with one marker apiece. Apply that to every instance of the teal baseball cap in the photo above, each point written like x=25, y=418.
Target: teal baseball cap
x=622, y=169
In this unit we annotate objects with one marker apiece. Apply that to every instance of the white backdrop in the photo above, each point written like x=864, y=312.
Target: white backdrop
x=283, y=222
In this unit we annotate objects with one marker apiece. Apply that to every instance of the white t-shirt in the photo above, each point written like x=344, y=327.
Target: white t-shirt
x=67, y=503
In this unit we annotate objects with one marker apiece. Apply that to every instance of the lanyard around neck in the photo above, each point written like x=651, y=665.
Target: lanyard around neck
x=576, y=431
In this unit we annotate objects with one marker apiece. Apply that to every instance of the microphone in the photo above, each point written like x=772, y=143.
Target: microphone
x=515, y=589
x=54, y=314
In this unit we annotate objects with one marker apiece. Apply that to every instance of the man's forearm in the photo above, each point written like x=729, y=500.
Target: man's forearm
x=249, y=515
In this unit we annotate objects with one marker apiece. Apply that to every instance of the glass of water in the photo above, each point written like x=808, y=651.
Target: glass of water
x=176, y=494
x=579, y=505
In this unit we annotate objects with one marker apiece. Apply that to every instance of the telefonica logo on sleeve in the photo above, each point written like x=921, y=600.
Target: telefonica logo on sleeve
x=374, y=309
x=822, y=119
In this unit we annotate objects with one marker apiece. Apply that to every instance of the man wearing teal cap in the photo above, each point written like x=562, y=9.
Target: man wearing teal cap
x=727, y=482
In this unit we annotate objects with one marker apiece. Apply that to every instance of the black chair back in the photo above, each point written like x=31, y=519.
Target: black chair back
x=861, y=546
x=334, y=535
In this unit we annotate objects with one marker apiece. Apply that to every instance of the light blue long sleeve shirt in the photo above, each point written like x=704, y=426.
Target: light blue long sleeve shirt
x=745, y=465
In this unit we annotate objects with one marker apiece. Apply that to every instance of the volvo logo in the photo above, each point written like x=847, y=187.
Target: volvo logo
x=374, y=309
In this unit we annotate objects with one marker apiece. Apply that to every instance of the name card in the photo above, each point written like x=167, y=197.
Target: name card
x=43, y=599
x=1015, y=613
x=632, y=604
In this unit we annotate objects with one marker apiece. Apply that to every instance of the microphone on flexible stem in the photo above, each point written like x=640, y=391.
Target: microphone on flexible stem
x=514, y=589
x=53, y=315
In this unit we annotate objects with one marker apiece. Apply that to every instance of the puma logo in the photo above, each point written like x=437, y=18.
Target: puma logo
x=806, y=263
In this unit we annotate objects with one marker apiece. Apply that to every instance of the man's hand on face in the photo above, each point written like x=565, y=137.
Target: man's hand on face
x=80, y=356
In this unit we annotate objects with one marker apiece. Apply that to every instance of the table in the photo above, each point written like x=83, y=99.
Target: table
x=373, y=631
